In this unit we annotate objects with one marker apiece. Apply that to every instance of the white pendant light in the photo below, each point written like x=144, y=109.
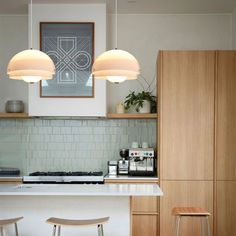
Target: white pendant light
x=116, y=65
x=31, y=65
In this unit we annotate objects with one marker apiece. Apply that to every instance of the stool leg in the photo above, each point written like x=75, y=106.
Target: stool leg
x=208, y=226
x=1, y=231
x=177, y=225
x=54, y=230
x=16, y=229
x=203, y=226
x=59, y=231
x=100, y=230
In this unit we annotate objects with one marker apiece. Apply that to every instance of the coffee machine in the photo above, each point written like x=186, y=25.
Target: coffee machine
x=123, y=163
x=142, y=162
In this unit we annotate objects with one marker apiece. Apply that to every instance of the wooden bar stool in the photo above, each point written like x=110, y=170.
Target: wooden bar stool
x=6, y=222
x=58, y=222
x=179, y=212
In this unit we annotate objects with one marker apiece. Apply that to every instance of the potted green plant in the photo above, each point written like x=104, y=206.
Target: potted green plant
x=142, y=102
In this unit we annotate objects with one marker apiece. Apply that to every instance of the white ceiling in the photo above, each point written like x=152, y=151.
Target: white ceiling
x=134, y=6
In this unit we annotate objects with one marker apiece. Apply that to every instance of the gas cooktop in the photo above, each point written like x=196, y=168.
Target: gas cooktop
x=63, y=173
x=79, y=177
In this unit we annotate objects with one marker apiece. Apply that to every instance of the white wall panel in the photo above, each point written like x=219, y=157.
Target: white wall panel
x=70, y=106
x=144, y=35
x=13, y=38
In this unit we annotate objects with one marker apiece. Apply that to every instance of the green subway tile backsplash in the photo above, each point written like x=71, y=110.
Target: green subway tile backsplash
x=69, y=145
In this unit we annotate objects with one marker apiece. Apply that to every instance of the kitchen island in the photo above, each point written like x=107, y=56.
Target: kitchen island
x=38, y=202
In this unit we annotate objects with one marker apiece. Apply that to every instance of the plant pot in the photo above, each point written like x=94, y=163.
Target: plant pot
x=146, y=107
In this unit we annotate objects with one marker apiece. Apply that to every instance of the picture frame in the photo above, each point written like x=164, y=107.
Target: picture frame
x=71, y=47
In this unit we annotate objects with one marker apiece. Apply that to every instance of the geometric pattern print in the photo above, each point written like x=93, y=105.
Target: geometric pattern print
x=68, y=59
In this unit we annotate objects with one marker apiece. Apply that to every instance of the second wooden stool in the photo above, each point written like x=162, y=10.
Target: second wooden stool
x=58, y=222
x=179, y=212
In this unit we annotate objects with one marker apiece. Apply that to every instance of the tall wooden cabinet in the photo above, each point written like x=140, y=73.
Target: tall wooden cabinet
x=196, y=130
x=226, y=144
x=186, y=115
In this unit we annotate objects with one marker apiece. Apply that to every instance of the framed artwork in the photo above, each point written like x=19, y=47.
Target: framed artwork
x=71, y=47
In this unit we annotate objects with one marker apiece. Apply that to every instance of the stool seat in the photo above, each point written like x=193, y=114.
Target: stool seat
x=67, y=222
x=10, y=221
x=190, y=211
x=5, y=222
x=59, y=222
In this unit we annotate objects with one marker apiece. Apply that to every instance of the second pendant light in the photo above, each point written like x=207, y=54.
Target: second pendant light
x=116, y=65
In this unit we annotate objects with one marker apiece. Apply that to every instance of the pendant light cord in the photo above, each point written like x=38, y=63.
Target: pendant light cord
x=116, y=19
x=31, y=25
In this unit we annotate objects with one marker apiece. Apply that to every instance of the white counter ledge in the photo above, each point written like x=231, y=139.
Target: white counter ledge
x=128, y=177
x=81, y=190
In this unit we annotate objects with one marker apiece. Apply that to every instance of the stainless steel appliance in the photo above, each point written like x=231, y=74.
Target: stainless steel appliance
x=123, y=163
x=142, y=162
x=61, y=177
x=112, y=167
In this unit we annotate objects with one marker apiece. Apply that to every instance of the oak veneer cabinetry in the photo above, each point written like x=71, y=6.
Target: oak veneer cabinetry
x=184, y=193
x=144, y=211
x=186, y=134
x=196, y=136
x=11, y=181
x=145, y=216
x=226, y=116
x=225, y=144
x=186, y=106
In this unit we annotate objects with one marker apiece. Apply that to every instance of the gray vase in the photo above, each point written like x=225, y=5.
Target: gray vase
x=14, y=106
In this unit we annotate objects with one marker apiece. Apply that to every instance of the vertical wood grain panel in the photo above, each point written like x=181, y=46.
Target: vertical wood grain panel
x=226, y=116
x=145, y=204
x=145, y=225
x=226, y=208
x=225, y=144
x=184, y=194
x=187, y=115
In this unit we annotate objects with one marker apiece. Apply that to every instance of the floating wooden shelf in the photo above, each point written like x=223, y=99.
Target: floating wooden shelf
x=132, y=116
x=14, y=115
x=109, y=116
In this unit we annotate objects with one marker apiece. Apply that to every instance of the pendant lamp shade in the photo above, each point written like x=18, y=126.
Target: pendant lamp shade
x=31, y=66
x=116, y=65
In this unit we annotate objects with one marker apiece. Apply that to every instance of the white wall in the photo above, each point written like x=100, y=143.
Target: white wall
x=70, y=106
x=13, y=38
x=143, y=35
x=234, y=28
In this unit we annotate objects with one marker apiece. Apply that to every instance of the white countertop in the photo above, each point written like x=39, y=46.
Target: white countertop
x=128, y=177
x=81, y=190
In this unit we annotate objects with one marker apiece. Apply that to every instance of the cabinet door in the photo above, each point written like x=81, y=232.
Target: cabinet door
x=186, y=110
x=226, y=116
x=145, y=225
x=184, y=194
x=145, y=204
x=226, y=208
